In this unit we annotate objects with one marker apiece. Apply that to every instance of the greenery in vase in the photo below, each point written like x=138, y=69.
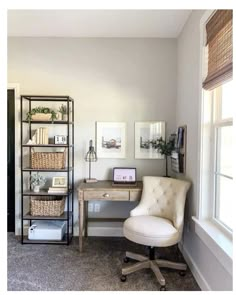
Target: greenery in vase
x=165, y=147
x=42, y=110
x=37, y=180
x=63, y=109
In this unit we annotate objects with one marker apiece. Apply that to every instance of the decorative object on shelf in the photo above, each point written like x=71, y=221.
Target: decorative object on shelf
x=37, y=180
x=48, y=206
x=146, y=135
x=60, y=139
x=41, y=114
x=178, y=156
x=165, y=148
x=111, y=139
x=63, y=111
x=91, y=156
x=59, y=181
x=48, y=160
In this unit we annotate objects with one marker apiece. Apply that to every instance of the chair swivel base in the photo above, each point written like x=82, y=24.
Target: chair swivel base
x=154, y=264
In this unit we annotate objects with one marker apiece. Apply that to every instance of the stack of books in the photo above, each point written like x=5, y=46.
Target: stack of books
x=41, y=135
x=57, y=190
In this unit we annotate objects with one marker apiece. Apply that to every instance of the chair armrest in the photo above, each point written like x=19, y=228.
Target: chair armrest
x=141, y=209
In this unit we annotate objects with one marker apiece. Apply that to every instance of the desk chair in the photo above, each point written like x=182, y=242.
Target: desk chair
x=157, y=221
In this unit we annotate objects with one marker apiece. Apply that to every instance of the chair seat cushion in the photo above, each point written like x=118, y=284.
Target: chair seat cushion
x=151, y=231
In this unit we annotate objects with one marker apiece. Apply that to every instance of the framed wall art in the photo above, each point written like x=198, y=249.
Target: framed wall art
x=111, y=139
x=146, y=135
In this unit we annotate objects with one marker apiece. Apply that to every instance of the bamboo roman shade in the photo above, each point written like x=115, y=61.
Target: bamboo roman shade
x=219, y=31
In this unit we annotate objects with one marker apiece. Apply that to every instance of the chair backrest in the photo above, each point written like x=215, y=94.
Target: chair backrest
x=165, y=197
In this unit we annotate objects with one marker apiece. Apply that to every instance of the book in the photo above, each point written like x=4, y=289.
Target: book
x=45, y=135
x=37, y=136
x=57, y=190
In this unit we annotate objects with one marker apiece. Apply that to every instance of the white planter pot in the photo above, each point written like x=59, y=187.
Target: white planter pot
x=59, y=116
x=65, y=117
x=36, y=188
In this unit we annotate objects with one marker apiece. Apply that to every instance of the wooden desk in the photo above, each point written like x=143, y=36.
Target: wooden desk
x=102, y=191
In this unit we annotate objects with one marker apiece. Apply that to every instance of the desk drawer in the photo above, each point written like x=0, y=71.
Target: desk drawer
x=135, y=195
x=107, y=195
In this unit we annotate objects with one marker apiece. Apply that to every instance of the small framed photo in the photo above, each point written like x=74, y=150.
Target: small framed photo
x=146, y=134
x=59, y=181
x=60, y=139
x=111, y=140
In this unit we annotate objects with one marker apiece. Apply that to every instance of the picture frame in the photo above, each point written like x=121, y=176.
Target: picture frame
x=60, y=139
x=59, y=181
x=111, y=140
x=146, y=134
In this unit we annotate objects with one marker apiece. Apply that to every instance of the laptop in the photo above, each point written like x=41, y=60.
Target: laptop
x=123, y=176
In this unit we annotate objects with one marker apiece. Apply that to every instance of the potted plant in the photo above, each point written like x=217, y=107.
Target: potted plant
x=36, y=181
x=63, y=111
x=165, y=148
x=41, y=114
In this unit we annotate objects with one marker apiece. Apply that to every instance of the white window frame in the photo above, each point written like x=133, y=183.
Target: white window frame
x=218, y=123
x=218, y=240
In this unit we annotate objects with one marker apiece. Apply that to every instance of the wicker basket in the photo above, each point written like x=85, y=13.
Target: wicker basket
x=41, y=117
x=48, y=160
x=48, y=206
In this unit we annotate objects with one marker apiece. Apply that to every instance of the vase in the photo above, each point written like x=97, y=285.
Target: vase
x=36, y=188
x=65, y=117
x=59, y=116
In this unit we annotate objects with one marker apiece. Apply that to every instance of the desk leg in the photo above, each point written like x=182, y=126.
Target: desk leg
x=81, y=224
x=86, y=219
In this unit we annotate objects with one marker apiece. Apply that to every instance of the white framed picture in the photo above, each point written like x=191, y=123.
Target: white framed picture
x=146, y=134
x=111, y=139
x=59, y=181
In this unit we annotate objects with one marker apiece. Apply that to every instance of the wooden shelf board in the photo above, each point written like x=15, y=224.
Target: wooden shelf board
x=44, y=193
x=64, y=216
x=47, y=122
x=62, y=242
x=47, y=145
x=48, y=170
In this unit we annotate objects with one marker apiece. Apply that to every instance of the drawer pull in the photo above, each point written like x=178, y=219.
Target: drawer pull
x=106, y=195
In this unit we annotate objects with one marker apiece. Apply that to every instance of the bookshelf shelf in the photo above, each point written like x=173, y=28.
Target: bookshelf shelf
x=32, y=134
x=64, y=216
x=48, y=145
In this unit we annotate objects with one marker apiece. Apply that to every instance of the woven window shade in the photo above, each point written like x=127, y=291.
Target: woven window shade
x=220, y=49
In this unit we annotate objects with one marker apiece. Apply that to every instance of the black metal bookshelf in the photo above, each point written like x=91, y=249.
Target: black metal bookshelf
x=27, y=102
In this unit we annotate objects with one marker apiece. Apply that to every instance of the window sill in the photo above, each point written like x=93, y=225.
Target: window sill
x=217, y=241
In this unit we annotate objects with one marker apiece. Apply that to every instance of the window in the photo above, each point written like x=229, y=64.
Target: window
x=222, y=149
x=215, y=208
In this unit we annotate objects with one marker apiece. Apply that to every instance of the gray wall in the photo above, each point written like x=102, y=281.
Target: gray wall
x=211, y=272
x=110, y=80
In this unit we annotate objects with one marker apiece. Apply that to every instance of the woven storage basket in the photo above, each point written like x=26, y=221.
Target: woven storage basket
x=48, y=206
x=48, y=160
x=41, y=117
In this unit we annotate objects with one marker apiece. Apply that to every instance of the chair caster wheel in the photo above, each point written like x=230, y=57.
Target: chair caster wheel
x=123, y=278
x=163, y=288
x=126, y=259
x=182, y=273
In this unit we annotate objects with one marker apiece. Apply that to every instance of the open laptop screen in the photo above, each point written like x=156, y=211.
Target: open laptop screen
x=124, y=175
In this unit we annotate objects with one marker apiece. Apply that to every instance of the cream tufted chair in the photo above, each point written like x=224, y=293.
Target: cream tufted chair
x=157, y=221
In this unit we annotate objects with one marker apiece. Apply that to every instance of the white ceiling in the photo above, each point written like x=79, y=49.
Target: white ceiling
x=96, y=23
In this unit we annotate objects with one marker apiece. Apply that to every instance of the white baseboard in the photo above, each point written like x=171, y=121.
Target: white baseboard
x=194, y=269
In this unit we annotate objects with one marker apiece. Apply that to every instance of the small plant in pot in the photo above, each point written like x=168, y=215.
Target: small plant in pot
x=63, y=111
x=165, y=148
x=36, y=181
